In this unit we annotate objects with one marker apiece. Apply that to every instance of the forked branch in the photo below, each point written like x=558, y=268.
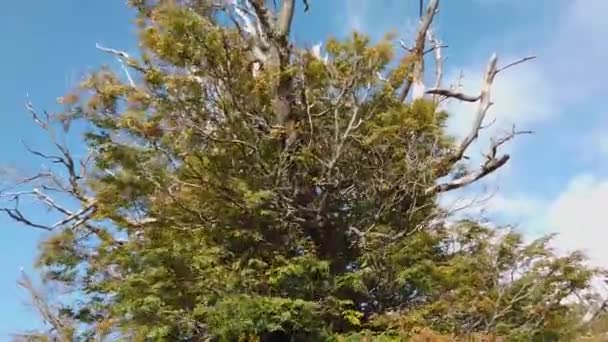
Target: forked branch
x=61, y=327
x=267, y=34
x=493, y=160
x=418, y=50
x=123, y=58
x=67, y=181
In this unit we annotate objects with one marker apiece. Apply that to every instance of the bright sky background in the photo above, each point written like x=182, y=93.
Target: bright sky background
x=557, y=180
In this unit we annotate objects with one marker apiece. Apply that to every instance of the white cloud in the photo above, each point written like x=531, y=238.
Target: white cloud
x=579, y=215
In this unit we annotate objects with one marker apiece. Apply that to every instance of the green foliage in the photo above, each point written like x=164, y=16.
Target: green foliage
x=207, y=222
x=247, y=316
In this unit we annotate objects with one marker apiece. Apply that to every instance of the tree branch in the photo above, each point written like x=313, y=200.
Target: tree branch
x=265, y=19
x=493, y=162
x=484, y=104
x=418, y=49
x=285, y=18
x=306, y=5
x=59, y=325
x=439, y=59
x=512, y=64
x=123, y=58
x=453, y=94
x=15, y=214
x=487, y=168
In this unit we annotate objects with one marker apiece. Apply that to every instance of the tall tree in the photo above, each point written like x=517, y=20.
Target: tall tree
x=239, y=188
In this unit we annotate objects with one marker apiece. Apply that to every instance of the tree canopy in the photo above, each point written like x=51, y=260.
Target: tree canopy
x=238, y=187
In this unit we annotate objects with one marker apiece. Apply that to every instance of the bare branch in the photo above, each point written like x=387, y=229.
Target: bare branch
x=15, y=214
x=121, y=57
x=486, y=169
x=493, y=161
x=405, y=47
x=265, y=20
x=43, y=123
x=65, y=158
x=418, y=49
x=512, y=64
x=340, y=141
x=59, y=325
x=484, y=104
x=53, y=159
x=117, y=53
x=72, y=186
x=285, y=18
x=127, y=73
x=306, y=5
x=439, y=59
x=427, y=51
x=453, y=94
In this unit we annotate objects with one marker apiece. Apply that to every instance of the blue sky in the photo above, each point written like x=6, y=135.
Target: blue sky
x=47, y=47
x=557, y=180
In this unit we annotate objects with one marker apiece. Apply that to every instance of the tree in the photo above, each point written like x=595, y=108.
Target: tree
x=240, y=188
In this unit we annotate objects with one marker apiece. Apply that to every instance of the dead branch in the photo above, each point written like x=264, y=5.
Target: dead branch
x=123, y=58
x=15, y=214
x=117, y=53
x=306, y=5
x=43, y=123
x=64, y=158
x=512, y=64
x=484, y=105
x=426, y=52
x=60, y=326
x=439, y=59
x=487, y=168
x=419, y=49
x=493, y=162
x=268, y=38
x=453, y=94
x=69, y=185
x=285, y=17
